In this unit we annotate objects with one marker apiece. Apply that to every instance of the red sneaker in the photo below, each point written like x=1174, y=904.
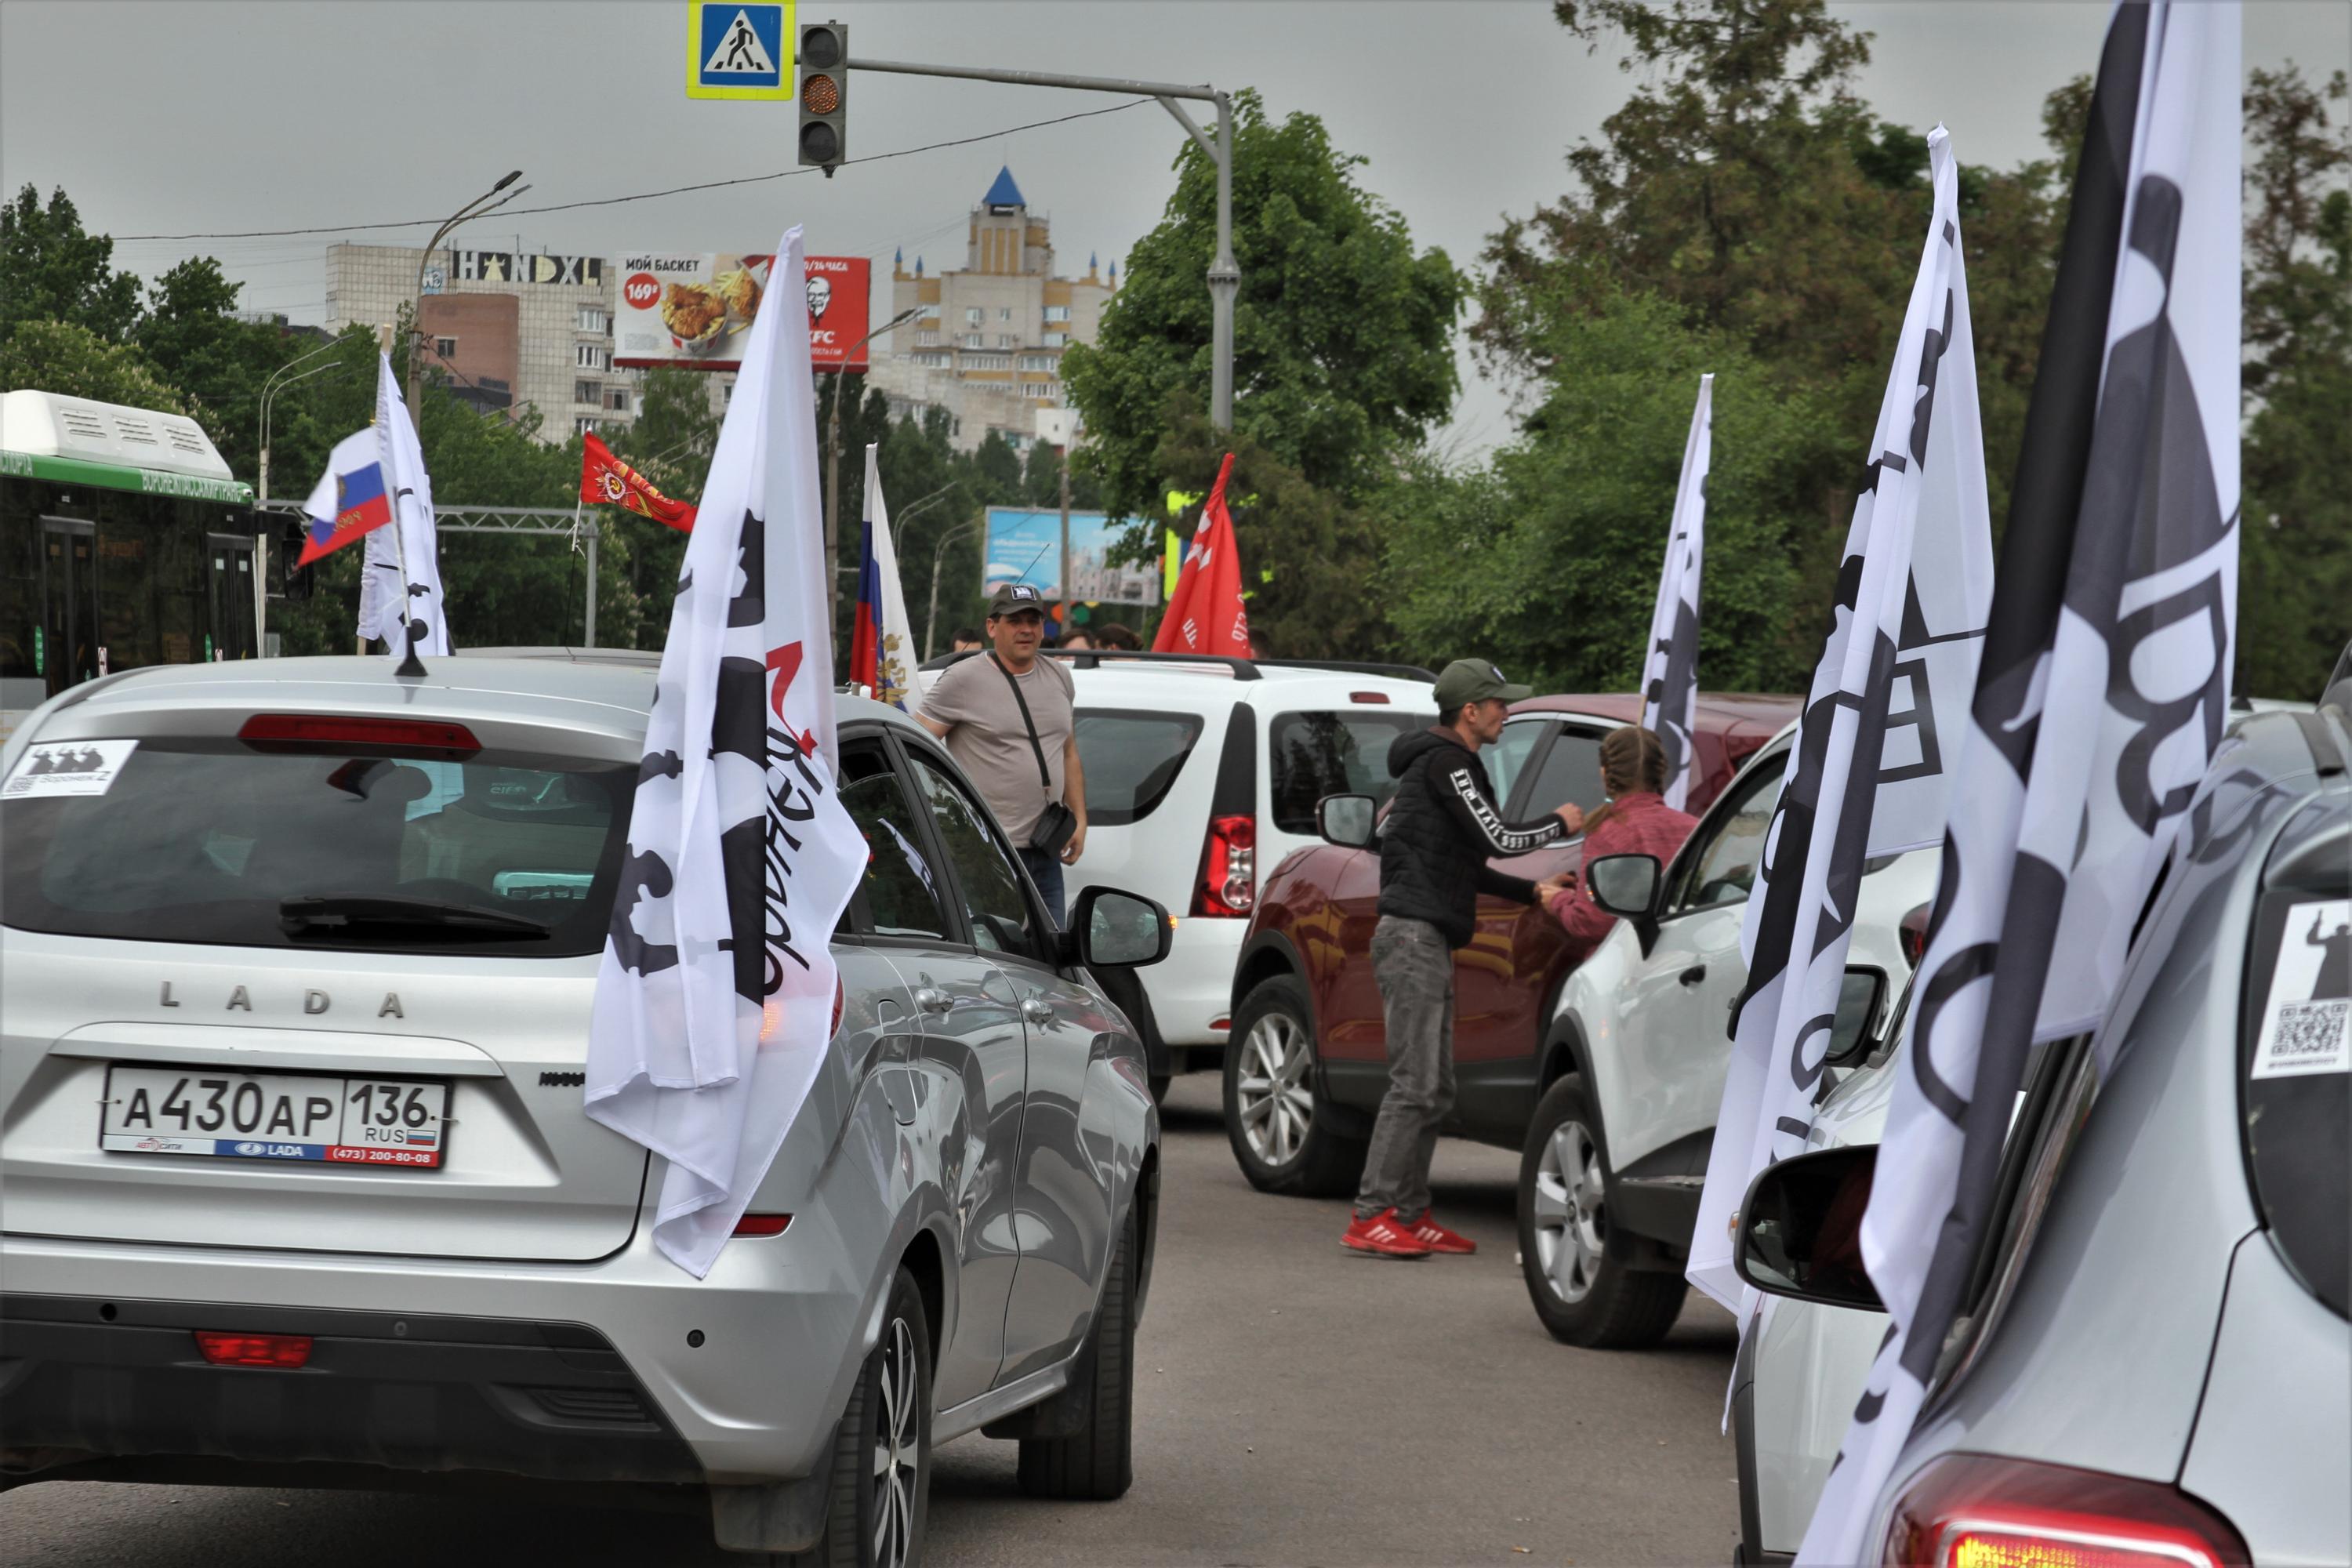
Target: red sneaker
x=1382, y=1237
x=1437, y=1239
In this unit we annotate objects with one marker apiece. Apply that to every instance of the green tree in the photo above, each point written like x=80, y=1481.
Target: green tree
x=1343, y=353
x=72, y=361
x=2295, y=590
x=51, y=271
x=190, y=333
x=670, y=444
x=1547, y=558
x=1747, y=183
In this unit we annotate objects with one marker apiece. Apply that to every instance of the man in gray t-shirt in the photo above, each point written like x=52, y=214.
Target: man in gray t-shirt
x=970, y=706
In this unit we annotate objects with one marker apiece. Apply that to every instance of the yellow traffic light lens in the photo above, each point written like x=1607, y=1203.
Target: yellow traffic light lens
x=820, y=94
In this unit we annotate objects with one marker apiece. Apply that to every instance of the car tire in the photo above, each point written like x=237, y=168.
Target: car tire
x=1578, y=1275
x=1273, y=1111
x=882, y=1450
x=1097, y=1463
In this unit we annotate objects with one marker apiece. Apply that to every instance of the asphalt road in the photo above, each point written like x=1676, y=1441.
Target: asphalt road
x=1296, y=1405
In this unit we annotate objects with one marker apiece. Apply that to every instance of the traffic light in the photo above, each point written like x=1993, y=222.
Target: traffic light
x=823, y=58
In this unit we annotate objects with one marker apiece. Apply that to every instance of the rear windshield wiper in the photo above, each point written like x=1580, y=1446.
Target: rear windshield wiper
x=336, y=911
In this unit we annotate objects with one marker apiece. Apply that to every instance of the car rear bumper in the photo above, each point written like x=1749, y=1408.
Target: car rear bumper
x=118, y=1389
x=1192, y=989
x=737, y=1378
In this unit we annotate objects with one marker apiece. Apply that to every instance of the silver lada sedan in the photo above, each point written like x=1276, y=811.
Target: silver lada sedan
x=296, y=966
x=2152, y=1363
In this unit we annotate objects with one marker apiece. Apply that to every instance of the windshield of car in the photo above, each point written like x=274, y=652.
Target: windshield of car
x=211, y=841
x=1344, y=753
x=1132, y=760
x=2296, y=1082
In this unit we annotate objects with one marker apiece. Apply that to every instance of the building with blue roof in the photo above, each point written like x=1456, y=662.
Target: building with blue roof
x=988, y=344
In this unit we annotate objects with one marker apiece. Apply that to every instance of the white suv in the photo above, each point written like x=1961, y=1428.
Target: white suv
x=1202, y=774
x=1616, y=1155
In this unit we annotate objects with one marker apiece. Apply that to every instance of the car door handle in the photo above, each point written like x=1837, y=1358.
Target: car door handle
x=1037, y=1012
x=931, y=999
x=1693, y=975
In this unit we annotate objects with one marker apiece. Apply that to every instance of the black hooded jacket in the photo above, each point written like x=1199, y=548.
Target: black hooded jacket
x=1441, y=832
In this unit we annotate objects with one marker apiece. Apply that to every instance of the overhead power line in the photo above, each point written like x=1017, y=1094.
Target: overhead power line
x=649, y=196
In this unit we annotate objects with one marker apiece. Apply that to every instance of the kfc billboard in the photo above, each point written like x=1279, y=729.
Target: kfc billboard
x=696, y=310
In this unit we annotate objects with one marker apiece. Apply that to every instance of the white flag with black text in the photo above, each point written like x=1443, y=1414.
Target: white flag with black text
x=406, y=565
x=1670, y=666
x=1866, y=775
x=2102, y=696
x=714, y=1002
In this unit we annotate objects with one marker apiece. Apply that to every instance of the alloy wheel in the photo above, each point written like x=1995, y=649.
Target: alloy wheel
x=1276, y=1108
x=1569, y=1226
x=898, y=1449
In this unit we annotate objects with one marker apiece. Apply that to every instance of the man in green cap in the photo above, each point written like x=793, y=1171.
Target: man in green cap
x=1435, y=845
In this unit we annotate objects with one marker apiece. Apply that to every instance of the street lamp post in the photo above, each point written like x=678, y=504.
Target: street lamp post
x=931, y=621
x=833, y=469
x=475, y=208
x=278, y=380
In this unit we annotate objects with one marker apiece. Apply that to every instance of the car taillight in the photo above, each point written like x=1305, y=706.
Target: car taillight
x=341, y=733
x=1228, y=869
x=1967, y=1511
x=284, y=1351
x=1379, y=696
x=1911, y=936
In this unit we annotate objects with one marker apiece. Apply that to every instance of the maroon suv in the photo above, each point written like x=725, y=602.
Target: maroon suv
x=1310, y=1061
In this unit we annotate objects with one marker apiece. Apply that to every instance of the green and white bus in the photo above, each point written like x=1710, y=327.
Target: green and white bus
x=124, y=541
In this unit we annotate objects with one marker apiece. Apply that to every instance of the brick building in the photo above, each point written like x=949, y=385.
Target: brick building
x=510, y=329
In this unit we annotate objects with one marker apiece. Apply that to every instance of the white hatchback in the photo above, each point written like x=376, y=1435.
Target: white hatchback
x=1202, y=774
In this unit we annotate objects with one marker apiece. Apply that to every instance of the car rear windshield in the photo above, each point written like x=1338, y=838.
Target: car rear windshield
x=2296, y=1091
x=206, y=841
x=1343, y=753
x=1131, y=760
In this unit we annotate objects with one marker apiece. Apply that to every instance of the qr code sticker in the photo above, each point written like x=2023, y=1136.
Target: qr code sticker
x=2307, y=1037
x=2310, y=1030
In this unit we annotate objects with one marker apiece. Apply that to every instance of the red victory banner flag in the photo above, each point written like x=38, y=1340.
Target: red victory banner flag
x=603, y=478
x=1205, y=614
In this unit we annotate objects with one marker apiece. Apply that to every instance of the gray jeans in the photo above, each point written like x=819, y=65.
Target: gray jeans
x=1414, y=969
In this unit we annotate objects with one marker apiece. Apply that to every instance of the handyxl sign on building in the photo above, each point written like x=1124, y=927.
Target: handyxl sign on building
x=735, y=50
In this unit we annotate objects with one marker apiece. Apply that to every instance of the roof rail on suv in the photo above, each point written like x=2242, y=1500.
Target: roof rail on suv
x=1243, y=669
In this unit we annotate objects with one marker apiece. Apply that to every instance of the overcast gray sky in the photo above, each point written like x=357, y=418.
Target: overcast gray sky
x=198, y=116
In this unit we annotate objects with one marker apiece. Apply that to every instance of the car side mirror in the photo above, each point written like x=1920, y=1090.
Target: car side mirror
x=1345, y=820
x=1851, y=1036
x=1801, y=1228
x=1114, y=929
x=1625, y=885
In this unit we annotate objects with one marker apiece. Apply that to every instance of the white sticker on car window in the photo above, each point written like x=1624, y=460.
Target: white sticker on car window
x=67, y=767
x=2307, y=1022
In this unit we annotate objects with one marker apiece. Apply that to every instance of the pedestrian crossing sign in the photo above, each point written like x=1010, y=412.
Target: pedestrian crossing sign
x=738, y=51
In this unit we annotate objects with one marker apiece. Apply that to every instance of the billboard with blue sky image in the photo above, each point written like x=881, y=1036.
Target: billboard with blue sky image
x=1027, y=547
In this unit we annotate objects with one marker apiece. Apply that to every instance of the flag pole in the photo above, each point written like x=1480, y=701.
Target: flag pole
x=411, y=665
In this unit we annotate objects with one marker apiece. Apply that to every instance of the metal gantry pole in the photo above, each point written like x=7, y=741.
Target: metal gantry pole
x=1224, y=273
x=588, y=615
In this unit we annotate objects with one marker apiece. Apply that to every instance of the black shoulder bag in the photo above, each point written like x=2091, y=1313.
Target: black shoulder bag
x=1057, y=822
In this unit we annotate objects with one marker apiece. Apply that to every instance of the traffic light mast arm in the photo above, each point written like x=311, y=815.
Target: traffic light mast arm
x=1225, y=274
x=1204, y=92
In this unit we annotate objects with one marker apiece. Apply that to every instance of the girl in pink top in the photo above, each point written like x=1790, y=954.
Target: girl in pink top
x=1635, y=821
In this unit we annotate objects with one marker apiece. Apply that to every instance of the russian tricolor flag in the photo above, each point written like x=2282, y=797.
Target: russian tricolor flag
x=358, y=502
